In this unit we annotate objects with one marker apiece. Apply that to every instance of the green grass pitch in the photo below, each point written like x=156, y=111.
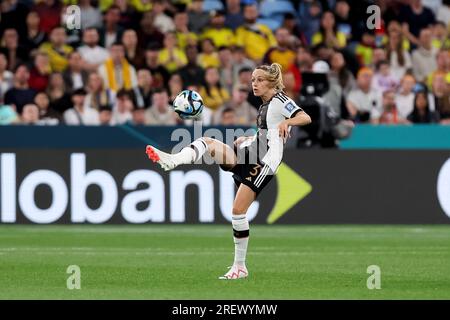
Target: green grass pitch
x=184, y=261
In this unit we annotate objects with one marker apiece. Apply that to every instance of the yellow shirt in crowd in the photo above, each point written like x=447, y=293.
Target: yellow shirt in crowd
x=216, y=97
x=256, y=41
x=58, y=59
x=222, y=37
x=170, y=64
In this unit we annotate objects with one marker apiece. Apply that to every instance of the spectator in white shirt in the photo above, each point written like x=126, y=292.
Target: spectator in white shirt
x=364, y=102
x=162, y=21
x=79, y=114
x=122, y=111
x=404, y=99
x=93, y=54
x=160, y=113
x=424, y=57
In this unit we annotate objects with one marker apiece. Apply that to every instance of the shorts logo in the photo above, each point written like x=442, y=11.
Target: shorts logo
x=289, y=107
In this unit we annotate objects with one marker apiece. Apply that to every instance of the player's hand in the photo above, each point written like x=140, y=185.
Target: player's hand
x=283, y=129
x=240, y=140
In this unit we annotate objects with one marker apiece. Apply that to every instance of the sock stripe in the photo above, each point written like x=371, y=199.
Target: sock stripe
x=241, y=234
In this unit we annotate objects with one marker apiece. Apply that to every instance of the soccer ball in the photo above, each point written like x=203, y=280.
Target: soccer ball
x=188, y=104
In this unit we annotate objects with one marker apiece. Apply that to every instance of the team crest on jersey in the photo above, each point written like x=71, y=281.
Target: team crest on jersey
x=289, y=107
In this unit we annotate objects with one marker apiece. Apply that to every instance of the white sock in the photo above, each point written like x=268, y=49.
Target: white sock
x=241, y=234
x=192, y=153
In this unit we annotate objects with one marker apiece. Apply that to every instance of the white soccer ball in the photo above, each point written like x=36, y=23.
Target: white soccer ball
x=188, y=104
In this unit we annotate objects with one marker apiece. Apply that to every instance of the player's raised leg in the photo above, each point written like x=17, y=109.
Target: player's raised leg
x=220, y=152
x=241, y=232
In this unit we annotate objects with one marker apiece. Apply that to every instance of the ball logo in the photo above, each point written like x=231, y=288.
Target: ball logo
x=443, y=187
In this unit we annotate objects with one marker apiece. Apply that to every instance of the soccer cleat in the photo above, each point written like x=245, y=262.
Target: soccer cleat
x=162, y=158
x=235, y=272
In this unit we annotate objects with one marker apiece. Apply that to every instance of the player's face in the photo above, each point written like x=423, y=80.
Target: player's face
x=260, y=85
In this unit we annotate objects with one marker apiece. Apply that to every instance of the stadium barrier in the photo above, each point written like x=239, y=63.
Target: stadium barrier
x=112, y=185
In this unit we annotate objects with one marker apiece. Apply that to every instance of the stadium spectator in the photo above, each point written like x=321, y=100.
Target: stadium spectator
x=175, y=86
x=214, y=95
x=49, y=12
x=340, y=73
x=117, y=72
x=138, y=117
x=441, y=93
x=424, y=57
x=97, y=95
x=209, y=56
x=415, y=17
x=160, y=113
x=404, y=99
x=328, y=33
x=60, y=99
x=364, y=50
x=111, y=32
x=34, y=36
x=105, y=116
x=256, y=38
x=226, y=69
x=244, y=113
x=233, y=15
x=289, y=82
x=398, y=57
x=228, y=117
x=145, y=87
x=198, y=19
x=282, y=53
x=442, y=66
x=159, y=73
x=240, y=62
x=90, y=16
x=11, y=12
x=290, y=23
x=441, y=36
x=171, y=57
x=390, y=113
x=8, y=115
x=10, y=48
x=29, y=114
x=383, y=80
x=57, y=49
x=6, y=77
x=74, y=76
x=162, y=21
x=343, y=20
x=133, y=53
x=216, y=31
x=20, y=93
x=364, y=102
x=40, y=72
x=192, y=73
x=148, y=33
x=444, y=12
x=93, y=54
x=421, y=111
x=122, y=111
x=185, y=37
x=129, y=16
x=78, y=114
x=47, y=115
x=310, y=13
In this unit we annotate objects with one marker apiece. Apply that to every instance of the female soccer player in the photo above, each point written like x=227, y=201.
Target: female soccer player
x=254, y=159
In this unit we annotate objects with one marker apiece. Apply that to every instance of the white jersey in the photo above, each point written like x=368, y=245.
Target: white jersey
x=267, y=140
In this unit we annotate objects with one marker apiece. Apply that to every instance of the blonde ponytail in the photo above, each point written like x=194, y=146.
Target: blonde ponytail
x=274, y=75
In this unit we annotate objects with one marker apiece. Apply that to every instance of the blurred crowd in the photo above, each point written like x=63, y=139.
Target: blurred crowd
x=129, y=59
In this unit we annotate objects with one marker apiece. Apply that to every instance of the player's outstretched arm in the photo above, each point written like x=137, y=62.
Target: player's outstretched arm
x=300, y=119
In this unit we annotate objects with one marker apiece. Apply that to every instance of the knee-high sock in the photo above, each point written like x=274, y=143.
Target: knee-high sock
x=192, y=153
x=241, y=233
